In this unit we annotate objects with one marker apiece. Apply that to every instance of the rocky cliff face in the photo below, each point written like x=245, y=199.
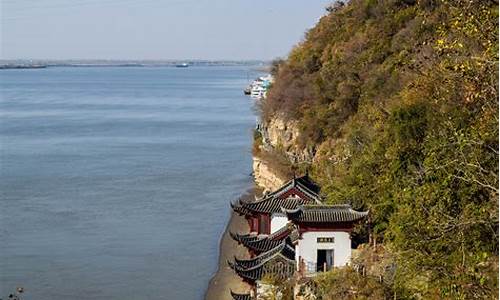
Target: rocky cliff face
x=282, y=135
x=265, y=177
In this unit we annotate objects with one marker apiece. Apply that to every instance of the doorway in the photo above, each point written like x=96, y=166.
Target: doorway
x=324, y=260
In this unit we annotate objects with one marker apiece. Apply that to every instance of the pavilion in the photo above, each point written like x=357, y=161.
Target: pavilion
x=293, y=232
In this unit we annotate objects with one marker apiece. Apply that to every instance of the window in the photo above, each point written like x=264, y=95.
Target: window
x=325, y=240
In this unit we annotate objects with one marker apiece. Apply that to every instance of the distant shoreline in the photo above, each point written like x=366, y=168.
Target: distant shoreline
x=20, y=67
x=12, y=67
x=42, y=64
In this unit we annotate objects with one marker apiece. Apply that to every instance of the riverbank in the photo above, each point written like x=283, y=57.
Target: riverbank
x=225, y=280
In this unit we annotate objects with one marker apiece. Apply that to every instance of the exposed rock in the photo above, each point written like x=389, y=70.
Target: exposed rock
x=265, y=177
x=283, y=135
x=278, y=136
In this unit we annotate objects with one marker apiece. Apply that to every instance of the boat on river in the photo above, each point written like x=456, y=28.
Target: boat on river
x=259, y=87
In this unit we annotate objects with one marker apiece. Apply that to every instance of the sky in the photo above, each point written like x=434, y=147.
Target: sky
x=154, y=29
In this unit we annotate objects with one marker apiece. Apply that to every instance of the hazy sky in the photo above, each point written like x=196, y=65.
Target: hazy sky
x=154, y=29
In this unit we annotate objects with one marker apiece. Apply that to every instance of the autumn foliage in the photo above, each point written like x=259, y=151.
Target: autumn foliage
x=399, y=100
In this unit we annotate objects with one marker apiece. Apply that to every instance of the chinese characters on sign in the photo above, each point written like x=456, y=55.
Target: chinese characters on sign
x=325, y=240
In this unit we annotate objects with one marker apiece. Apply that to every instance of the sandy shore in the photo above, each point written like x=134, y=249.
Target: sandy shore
x=225, y=279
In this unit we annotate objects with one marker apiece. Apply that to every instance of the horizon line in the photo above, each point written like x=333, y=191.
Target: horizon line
x=141, y=59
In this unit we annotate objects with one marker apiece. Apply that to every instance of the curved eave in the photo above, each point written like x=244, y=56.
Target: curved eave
x=243, y=238
x=240, y=209
x=255, y=266
x=324, y=214
x=237, y=296
x=250, y=264
x=297, y=183
x=281, y=233
x=273, y=205
x=262, y=245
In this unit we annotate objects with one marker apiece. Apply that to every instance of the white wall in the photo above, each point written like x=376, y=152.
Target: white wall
x=278, y=220
x=307, y=248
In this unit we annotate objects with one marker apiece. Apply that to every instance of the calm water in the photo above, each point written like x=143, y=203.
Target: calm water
x=115, y=182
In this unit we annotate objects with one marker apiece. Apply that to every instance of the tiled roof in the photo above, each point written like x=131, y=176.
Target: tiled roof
x=253, y=269
x=267, y=205
x=252, y=236
x=263, y=243
x=282, y=232
x=304, y=184
x=271, y=203
x=237, y=296
x=282, y=248
x=244, y=238
x=240, y=208
x=324, y=214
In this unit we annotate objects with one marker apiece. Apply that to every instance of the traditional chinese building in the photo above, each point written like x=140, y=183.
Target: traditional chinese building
x=292, y=231
x=265, y=215
x=237, y=296
x=324, y=235
x=279, y=261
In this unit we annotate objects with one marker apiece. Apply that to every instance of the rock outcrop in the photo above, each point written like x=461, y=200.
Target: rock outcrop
x=282, y=135
x=279, y=137
x=265, y=177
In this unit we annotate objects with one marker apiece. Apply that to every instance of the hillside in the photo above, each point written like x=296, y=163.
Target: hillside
x=396, y=107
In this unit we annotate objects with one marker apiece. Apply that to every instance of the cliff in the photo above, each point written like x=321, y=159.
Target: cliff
x=392, y=106
x=282, y=135
x=276, y=153
x=266, y=178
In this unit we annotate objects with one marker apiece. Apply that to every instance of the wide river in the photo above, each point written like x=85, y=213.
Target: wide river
x=115, y=182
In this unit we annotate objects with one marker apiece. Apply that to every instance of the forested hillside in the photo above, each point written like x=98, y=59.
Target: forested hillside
x=398, y=101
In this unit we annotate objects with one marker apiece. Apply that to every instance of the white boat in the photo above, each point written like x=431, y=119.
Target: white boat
x=258, y=88
x=257, y=92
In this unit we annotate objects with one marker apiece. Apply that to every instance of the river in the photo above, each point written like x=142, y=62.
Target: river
x=115, y=182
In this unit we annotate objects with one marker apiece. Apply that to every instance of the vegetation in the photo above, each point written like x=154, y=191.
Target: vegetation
x=399, y=99
x=350, y=285
x=274, y=158
x=278, y=288
x=257, y=142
